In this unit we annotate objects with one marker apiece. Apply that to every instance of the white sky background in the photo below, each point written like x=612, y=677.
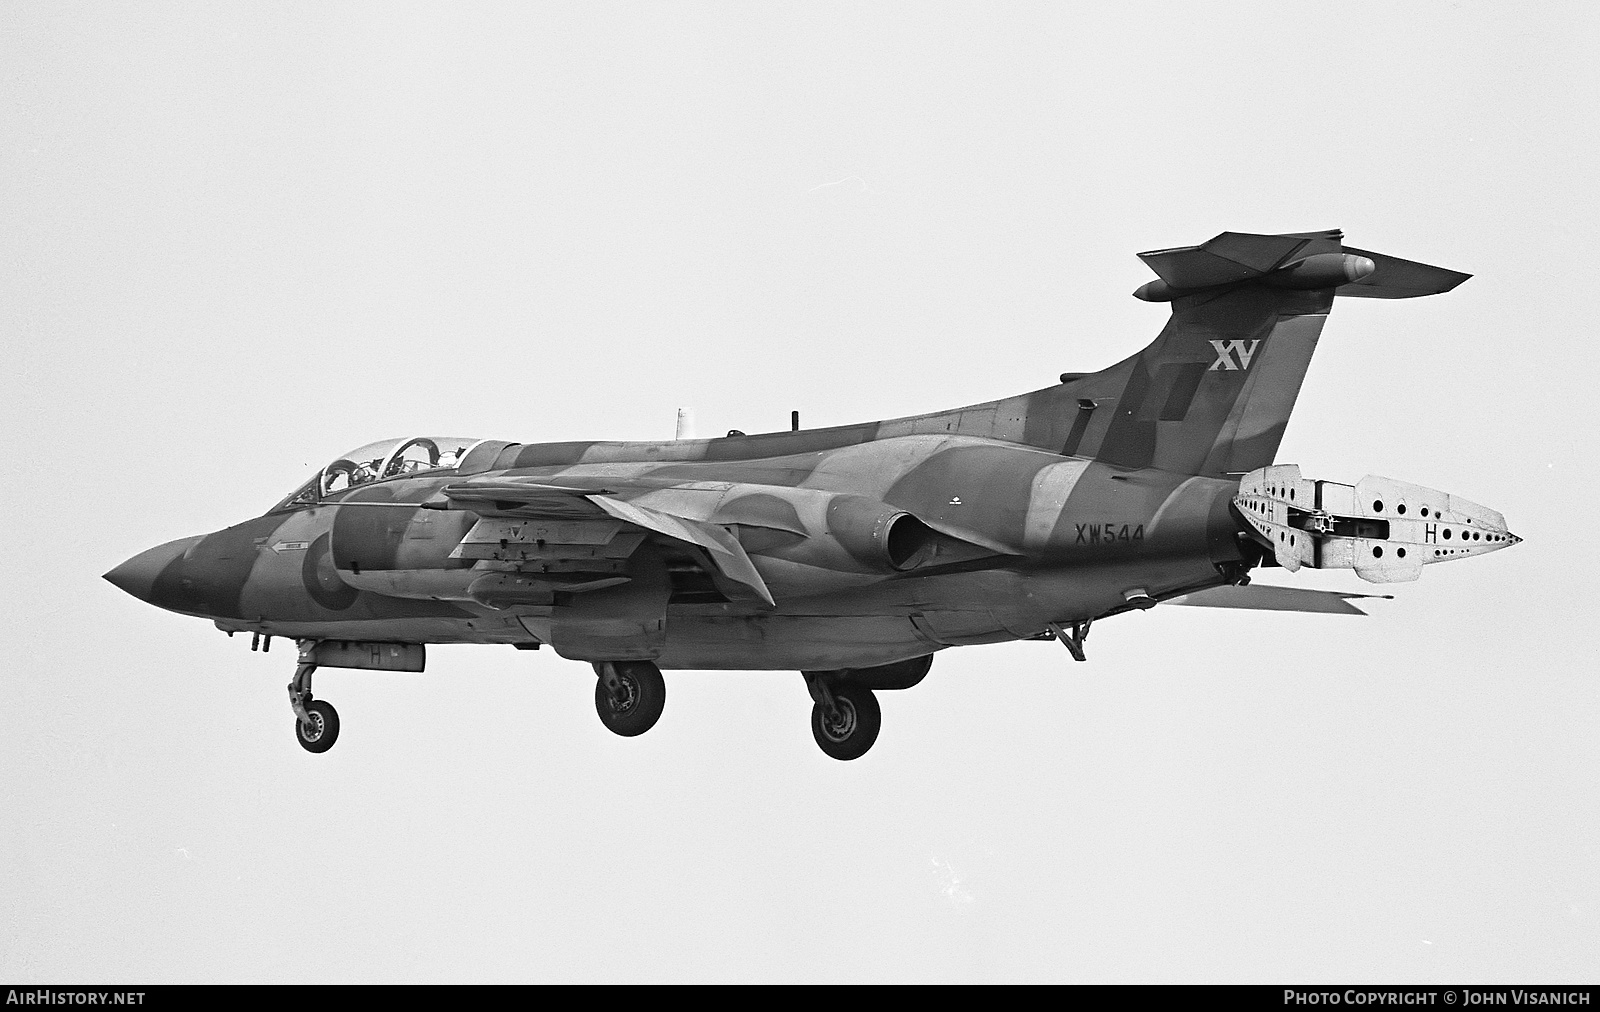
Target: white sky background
x=236, y=241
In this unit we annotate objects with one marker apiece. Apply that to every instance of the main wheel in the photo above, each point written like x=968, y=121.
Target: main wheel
x=853, y=731
x=323, y=730
x=634, y=703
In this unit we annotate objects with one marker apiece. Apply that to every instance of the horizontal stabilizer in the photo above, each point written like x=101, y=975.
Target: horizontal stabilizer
x=1306, y=261
x=1257, y=597
x=1400, y=279
x=1231, y=256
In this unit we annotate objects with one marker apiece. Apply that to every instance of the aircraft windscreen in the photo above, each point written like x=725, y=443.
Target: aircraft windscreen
x=389, y=458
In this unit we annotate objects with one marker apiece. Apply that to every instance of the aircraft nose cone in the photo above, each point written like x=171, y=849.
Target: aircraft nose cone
x=138, y=575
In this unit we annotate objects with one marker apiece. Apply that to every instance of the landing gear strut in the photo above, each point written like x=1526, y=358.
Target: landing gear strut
x=845, y=718
x=629, y=696
x=1072, y=636
x=316, y=723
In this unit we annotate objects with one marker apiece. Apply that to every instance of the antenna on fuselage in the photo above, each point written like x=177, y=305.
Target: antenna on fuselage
x=794, y=421
x=685, y=424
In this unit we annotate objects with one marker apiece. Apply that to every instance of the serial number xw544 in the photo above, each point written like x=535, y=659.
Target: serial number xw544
x=1094, y=534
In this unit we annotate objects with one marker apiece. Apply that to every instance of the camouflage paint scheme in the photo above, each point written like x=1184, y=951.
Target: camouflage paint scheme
x=824, y=549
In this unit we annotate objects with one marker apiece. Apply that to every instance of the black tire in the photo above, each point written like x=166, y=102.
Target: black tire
x=324, y=729
x=858, y=725
x=644, y=696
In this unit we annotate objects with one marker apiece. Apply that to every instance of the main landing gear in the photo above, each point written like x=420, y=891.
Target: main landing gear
x=845, y=718
x=629, y=696
x=316, y=723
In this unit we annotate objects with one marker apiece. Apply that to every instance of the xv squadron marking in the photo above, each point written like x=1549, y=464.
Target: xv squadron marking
x=1234, y=356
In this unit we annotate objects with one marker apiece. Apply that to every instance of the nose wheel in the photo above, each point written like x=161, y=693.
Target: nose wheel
x=845, y=719
x=316, y=722
x=629, y=696
x=320, y=729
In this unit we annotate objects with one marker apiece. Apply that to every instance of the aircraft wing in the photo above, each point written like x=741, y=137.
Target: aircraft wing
x=523, y=516
x=1259, y=597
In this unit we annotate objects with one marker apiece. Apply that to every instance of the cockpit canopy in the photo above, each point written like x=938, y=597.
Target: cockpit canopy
x=391, y=458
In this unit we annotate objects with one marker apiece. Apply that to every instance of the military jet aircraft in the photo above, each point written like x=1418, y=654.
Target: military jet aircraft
x=849, y=554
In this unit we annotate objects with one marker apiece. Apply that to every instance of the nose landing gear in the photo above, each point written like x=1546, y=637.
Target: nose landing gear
x=316, y=722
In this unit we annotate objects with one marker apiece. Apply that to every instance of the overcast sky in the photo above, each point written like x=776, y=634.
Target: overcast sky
x=236, y=240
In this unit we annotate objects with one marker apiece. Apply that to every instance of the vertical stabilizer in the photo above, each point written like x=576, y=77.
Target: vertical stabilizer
x=1213, y=393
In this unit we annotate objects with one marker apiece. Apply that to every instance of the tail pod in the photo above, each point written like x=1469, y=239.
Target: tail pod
x=1212, y=394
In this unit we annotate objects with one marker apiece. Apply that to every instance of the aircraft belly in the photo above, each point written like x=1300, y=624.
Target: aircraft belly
x=789, y=642
x=497, y=628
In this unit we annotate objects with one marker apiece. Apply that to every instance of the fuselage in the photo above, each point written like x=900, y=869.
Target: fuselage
x=1055, y=539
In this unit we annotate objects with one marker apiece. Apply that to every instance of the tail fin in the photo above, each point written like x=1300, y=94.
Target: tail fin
x=1212, y=394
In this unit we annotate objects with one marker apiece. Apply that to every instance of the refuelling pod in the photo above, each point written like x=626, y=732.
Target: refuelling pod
x=1385, y=530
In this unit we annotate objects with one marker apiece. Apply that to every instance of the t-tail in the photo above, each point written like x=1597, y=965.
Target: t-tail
x=1213, y=393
